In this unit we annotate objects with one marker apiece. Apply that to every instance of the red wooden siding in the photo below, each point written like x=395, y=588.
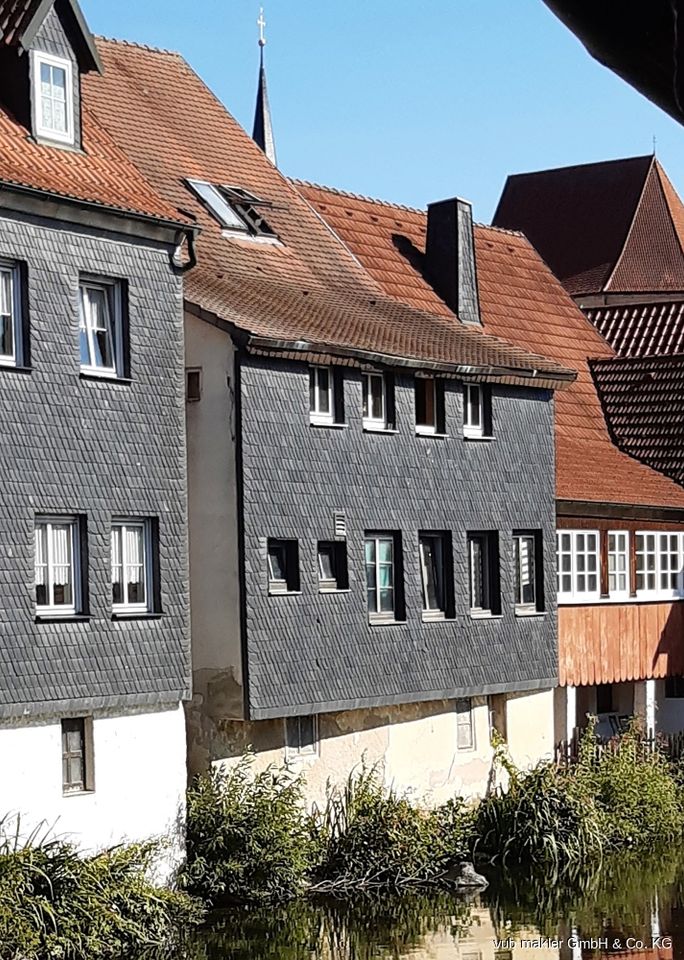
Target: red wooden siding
x=611, y=642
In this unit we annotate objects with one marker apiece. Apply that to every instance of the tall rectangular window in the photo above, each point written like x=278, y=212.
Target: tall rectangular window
x=618, y=563
x=101, y=328
x=483, y=560
x=10, y=314
x=528, y=571
x=332, y=565
x=77, y=755
x=465, y=734
x=131, y=566
x=477, y=410
x=57, y=566
x=301, y=736
x=53, y=97
x=321, y=395
x=381, y=576
x=374, y=401
x=436, y=575
x=577, y=553
x=429, y=399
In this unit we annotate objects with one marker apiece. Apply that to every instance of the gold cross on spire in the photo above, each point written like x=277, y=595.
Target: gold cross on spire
x=261, y=23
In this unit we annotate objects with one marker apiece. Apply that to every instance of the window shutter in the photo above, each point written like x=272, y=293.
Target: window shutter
x=338, y=394
x=390, y=409
x=488, y=426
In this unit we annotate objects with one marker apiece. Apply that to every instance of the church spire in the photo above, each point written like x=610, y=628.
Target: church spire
x=263, y=129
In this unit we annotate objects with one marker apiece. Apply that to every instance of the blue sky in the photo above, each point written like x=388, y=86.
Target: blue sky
x=408, y=100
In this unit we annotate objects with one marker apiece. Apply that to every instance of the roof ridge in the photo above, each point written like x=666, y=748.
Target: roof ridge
x=491, y=226
x=581, y=166
x=355, y=196
x=139, y=46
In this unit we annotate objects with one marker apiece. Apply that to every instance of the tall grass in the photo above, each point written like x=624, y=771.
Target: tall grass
x=55, y=903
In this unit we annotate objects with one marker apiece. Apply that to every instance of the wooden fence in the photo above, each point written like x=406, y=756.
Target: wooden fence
x=670, y=745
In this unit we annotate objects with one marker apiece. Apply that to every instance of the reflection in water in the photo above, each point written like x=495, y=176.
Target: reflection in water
x=628, y=903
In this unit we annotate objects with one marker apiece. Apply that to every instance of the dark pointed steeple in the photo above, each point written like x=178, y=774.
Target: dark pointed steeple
x=263, y=129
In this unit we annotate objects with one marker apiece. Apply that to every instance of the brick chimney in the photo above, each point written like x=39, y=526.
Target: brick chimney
x=450, y=257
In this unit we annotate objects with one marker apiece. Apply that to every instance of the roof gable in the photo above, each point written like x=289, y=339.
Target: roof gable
x=20, y=21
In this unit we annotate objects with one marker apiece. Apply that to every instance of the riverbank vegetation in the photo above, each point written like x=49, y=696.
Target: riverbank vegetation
x=55, y=903
x=250, y=837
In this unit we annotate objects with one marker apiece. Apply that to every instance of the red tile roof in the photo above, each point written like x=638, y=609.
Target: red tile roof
x=522, y=301
x=15, y=15
x=644, y=402
x=307, y=289
x=640, y=329
x=615, y=227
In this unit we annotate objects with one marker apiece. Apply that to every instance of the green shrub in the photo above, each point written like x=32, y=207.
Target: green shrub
x=372, y=837
x=247, y=836
x=541, y=820
x=635, y=789
x=57, y=904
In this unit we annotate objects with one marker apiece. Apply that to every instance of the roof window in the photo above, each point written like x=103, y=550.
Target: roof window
x=237, y=210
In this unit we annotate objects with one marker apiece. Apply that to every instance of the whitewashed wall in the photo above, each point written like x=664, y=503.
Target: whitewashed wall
x=139, y=776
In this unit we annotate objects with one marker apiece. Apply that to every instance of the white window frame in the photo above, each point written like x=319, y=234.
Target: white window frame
x=660, y=569
x=619, y=551
x=379, y=615
x=51, y=608
x=426, y=428
x=15, y=358
x=520, y=604
x=370, y=422
x=471, y=429
x=468, y=725
x=309, y=751
x=114, y=307
x=487, y=585
x=575, y=595
x=439, y=540
x=315, y=414
x=46, y=133
x=123, y=524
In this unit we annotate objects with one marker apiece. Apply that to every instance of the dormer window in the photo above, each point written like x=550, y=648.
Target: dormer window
x=238, y=211
x=53, y=98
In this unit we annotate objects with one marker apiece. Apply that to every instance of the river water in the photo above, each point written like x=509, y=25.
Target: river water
x=631, y=909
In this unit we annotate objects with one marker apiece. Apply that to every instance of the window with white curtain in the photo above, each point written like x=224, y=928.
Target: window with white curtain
x=131, y=569
x=53, y=97
x=10, y=314
x=374, y=401
x=101, y=334
x=57, y=566
x=321, y=400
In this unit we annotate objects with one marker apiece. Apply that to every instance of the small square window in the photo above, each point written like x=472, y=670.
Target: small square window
x=132, y=571
x=301, y=736
x=465, y=733
x=483, y=566
x=577, y=562
x=477, y=415
x=77, y=755
x=53, y=97
x=332, y=565
x=674, y=688
x=58, y=566
x=528, y=571
x=193, y=384
x=11, y=328
x=374, y=401
x=283, y=566
x=101, y=326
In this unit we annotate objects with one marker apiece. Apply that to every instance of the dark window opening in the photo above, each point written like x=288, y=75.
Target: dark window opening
x=283, y=566
x=436, y=572
x=301, y=734
x=529, y=571
x=332, y=565
x=193, y=384
x=674, y=688
x=483, y=570
x=604, y=698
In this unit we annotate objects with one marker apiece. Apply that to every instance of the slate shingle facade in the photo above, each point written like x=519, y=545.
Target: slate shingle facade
x=99, y=449
x=312, y=652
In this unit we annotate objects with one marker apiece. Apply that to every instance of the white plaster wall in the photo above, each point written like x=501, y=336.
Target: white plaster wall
x=669, y=712
x=530, y=726
x=212, y=509
x=139, y=778
x=414, y=746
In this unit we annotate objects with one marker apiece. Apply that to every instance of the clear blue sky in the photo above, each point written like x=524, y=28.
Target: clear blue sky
x=408, y=100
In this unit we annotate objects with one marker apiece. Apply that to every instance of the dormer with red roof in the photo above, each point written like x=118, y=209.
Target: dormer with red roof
x=45, y=47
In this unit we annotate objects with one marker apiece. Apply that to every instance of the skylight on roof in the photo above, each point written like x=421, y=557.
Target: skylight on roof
x=235, y=209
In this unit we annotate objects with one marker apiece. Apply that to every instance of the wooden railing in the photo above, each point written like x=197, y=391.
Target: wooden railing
x=670, y=745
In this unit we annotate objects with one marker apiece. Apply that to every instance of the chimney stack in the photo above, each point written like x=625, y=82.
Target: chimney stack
x=450, y=257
